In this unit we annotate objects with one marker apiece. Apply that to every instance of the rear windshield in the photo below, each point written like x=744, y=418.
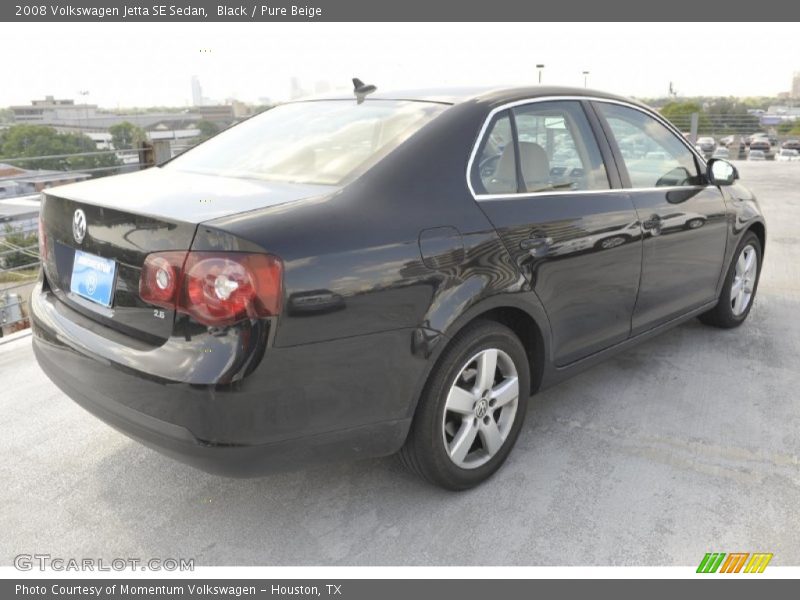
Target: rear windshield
x=317, y=142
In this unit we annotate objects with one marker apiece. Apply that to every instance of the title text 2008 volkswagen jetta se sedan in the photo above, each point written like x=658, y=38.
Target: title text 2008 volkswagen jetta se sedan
x=354, y=277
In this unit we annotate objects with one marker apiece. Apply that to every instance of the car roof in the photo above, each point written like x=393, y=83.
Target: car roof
x=494, y=95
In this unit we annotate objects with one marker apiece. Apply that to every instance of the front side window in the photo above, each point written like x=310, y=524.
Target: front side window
x=554, y=150
x=318, y=142
x=653, y=155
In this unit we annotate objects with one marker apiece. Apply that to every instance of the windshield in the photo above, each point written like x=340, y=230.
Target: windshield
x=318, y=142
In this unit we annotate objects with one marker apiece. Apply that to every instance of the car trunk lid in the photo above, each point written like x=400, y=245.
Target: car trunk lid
x=130, y=216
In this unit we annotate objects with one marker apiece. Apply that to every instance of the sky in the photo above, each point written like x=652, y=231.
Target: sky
x=144, y=64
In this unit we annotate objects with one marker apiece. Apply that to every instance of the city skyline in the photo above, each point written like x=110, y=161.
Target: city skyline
x=254, y=61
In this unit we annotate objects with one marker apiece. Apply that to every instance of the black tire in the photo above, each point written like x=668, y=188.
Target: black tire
x=425, y=452
x=722, y=314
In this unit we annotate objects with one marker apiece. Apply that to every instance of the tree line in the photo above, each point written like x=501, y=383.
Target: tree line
x=21, y=141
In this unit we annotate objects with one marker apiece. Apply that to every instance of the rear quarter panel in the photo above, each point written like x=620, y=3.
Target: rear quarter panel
x=352, y=261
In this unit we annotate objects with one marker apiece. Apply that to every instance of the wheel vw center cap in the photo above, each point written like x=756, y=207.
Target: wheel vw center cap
x=480, y=408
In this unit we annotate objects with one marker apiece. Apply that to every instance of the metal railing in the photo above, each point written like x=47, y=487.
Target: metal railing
x=17, y=280
x=17, y=277
x=129, y=160
x=721, y=125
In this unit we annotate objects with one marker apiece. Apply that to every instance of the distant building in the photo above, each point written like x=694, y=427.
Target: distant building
x=197, y=92
x=101, y=140
x=295, y=89
x=784, y=110
x=49, y=110
x=220, y=114
x=224, y=114
x=15, y=181
x=796, y=85
x=67, y=117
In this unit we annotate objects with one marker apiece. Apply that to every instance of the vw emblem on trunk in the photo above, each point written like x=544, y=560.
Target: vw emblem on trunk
x=79, y=225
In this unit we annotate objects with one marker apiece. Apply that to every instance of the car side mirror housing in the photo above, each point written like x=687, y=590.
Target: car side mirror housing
x=721, y=172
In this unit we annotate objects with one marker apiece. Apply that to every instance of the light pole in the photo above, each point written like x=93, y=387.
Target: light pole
x=585, y=78
x=85, y=93
x=541, y=68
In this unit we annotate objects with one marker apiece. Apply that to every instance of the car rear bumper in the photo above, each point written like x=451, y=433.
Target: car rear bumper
x=243, y=429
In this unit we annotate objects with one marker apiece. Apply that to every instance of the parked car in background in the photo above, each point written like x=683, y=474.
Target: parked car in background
x=763, y=145
x=757, y=136
x=736, y=145
x=360, y=276
x=791, y=145
x=706, y=146
x=721, y=152
x=764, y=136
x=787, y=155
x=756, y=155
x=729, y=139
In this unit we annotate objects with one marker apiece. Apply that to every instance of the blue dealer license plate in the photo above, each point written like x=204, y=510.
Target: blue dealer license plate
x=93, y=277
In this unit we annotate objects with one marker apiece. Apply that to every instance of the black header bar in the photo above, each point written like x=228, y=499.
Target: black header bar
x=677, y=11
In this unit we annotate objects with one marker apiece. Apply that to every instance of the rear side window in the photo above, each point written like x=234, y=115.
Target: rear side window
x=653, y=155
x=496, y=164
x=539, y=147
x=557, y=148
x=318, y=142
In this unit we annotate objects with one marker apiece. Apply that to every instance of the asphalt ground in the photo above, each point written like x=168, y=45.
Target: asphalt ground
x=687, y=444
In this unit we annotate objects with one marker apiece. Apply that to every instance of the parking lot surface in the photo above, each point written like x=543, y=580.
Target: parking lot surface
x=687, y=444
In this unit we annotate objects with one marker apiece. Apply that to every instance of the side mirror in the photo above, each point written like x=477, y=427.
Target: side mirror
x=721, y=172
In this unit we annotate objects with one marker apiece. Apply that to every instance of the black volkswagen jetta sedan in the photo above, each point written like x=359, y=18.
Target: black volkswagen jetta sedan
x=353, y=277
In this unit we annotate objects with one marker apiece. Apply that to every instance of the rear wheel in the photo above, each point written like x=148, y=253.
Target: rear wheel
x=739, y=289
x=472, y=409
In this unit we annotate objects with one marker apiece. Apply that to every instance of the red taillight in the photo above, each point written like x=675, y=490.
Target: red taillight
x=215, y=288
x=160, y=278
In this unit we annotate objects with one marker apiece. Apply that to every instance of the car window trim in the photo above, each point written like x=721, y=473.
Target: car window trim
x=515, y=103
x=512, y=122
x=606, y=149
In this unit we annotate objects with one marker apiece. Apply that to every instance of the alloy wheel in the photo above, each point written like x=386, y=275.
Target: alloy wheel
x=744, y=280
x=480, y=408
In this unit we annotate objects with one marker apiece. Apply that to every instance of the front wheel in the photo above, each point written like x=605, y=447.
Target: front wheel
x=472, y=409
x=739, y=289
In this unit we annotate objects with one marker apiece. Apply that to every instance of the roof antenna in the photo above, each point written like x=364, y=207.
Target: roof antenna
x=361, y=89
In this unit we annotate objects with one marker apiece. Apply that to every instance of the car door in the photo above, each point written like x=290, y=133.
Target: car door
x=540, y=176
x=682, y=215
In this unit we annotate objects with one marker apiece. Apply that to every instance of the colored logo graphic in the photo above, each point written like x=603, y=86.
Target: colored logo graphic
x=735, y=562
